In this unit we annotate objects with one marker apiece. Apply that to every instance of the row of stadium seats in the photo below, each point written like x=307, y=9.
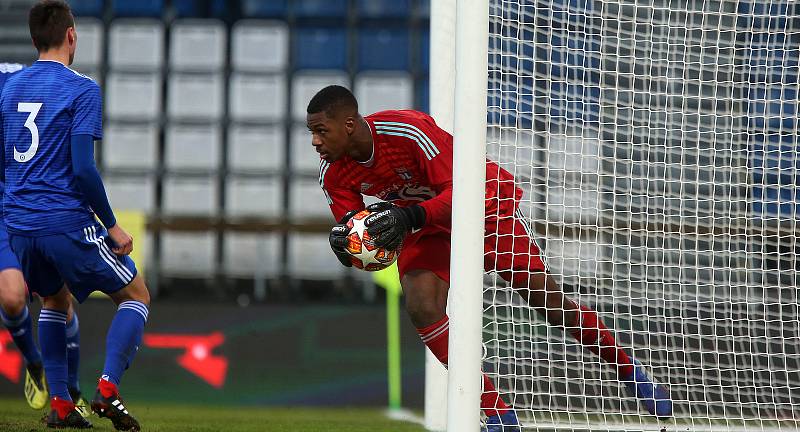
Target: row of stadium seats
x=193, y=255
x=250, y=149
x=297, y=9
x=201, y=195
x=200, y=45
x=773, y=61
x=251, y=98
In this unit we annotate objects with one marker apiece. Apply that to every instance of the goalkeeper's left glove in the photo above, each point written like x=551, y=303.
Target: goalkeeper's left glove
x=389, y=224
x=338, y=239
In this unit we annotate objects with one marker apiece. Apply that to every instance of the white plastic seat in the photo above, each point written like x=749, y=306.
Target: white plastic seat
x=246, y=254
x=197, y=45
x=188, y=254
x=575, y=259
x=193, y=147
x=131, y=192
x=259, y=46
x=133, y=96
x=310, y=257
x=304, y=158
x=306, y=84
x=379, y=91
x=259, y=98
x=136, y=45
x=307, y=201
x=194, y=96
x=572, y=205
x=573, y=154
x=191, y=196
x=259, y=197
x=89, y=56
x=256, y=148
x=127, y=146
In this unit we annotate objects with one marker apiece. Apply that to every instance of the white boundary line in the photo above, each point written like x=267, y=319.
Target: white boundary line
x=404, y=415
x=650, y=427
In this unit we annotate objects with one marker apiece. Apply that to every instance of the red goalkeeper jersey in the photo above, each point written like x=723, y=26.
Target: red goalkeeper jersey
x=411, y=163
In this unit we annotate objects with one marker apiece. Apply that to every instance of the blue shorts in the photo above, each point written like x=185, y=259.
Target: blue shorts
x=8, y=259
x=82, y=259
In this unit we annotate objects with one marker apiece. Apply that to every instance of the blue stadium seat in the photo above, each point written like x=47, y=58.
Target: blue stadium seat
x=773, y=201
x=383, y=8
x=763, y=14
x=510, y=100
x=424, y=51
x=773, y=64
x=773, y=106
x=87, y=8
x=774, y=160
x=320, y=48
x=763, y=8
x=563, y=13
x=423, y=9
x=138, y=8
x=383, y=48
x=199, y=8
x=320, y=8
x=259, y=8
x=423, y=95
x=187, y=8
x=570, y=57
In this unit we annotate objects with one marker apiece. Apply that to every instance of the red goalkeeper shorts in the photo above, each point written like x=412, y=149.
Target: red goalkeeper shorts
x=509, y=250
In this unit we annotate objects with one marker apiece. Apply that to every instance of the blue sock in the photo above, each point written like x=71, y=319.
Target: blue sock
x=124, y=337
x=73, y=353
x=53, y=337
x=21, y=331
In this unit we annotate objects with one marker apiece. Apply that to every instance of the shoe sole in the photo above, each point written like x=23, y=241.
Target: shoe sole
x=87, y=425
x=120, y=423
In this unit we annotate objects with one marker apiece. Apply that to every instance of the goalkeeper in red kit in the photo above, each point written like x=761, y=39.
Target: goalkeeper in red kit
x=406, y=160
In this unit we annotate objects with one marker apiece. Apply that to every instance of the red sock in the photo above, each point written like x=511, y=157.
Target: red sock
x=107, y=388
x=435, y=337
x=593, y=334
x=62, y=407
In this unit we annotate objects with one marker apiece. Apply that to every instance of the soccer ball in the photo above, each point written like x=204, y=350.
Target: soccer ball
x=365, y=255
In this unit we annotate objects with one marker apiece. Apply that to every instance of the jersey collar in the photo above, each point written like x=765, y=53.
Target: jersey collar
x=51, y=61
x=371, y=161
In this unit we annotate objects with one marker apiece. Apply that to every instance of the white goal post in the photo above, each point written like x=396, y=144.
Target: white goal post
x=656, y=142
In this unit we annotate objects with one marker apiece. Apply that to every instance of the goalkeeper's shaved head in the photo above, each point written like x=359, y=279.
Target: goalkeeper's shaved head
x=336, y=127
x=333, y=100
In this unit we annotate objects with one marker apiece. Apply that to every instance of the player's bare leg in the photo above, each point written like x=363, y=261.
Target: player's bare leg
x=426, y=297
x=544, y=294
x=16, y=317
x=63, y=413
x=426, y=304
x=133, y=299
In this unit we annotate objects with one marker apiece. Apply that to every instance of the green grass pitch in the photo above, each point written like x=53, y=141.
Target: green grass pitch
x=16, y=416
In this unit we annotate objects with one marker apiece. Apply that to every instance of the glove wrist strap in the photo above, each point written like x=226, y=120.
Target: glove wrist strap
x=415, y=215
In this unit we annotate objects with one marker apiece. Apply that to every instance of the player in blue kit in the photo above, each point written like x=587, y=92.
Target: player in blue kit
x=15, y=315
x=50, y=118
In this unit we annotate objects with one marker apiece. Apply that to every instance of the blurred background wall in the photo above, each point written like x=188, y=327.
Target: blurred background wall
x=326, y=355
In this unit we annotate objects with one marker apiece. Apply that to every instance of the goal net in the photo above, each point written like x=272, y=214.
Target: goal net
x=656, y=143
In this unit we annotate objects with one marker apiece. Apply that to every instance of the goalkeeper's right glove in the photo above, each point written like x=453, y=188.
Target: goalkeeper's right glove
x=338, y=239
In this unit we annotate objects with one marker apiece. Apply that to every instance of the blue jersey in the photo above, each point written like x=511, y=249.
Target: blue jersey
x=41, y=107
x=6, y=70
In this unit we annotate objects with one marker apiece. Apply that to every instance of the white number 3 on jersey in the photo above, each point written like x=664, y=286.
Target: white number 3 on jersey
x=32, y=108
